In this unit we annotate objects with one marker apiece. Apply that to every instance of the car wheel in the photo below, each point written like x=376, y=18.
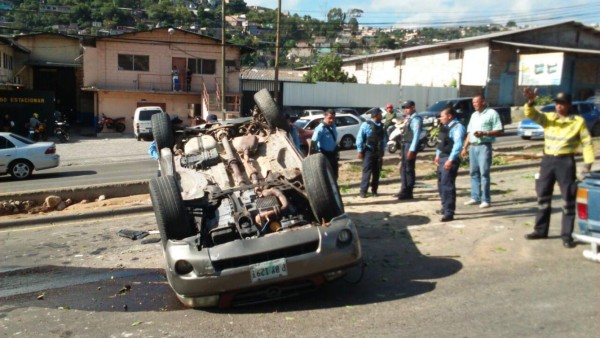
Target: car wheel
x=526, y=137
x=347, y=142
x=162, y=131
x=269, y=109
x=21, y=169
x=321, y=188
x=171, y=216
x=392, y=148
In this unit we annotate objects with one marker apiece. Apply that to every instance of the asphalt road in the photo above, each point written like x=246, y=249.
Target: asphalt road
x=91, y=161
x=474, y=277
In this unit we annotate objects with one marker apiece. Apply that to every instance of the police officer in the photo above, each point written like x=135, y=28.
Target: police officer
x=370, y=143
x=410, y=146
x=447, y=159
x=324, y=140
x=564, y=132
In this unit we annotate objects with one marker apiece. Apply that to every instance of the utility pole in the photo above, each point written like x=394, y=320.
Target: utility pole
x=224, y=81
x=276, y=78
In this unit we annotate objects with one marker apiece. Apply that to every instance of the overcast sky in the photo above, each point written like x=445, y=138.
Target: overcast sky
x=440, y=13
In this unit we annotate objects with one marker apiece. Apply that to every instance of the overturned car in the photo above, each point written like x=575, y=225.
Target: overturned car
x=243, y=218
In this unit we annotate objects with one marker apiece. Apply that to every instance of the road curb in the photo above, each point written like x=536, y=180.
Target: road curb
x=78, y=193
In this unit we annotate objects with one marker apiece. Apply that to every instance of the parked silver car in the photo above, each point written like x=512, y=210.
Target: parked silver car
x=243, y=217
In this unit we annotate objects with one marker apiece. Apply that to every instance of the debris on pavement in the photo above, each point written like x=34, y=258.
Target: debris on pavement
x=132, y=234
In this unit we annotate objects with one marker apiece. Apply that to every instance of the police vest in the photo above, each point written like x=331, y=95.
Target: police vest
x=445, y=142
x=408, y=133
x=376, y=136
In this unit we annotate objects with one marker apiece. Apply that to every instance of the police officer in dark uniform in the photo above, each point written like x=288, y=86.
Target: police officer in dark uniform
x=370, y=143
x=447, y=158
x=324, y=140
x=410, y=147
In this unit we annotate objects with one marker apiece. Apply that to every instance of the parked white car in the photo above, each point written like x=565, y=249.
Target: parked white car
x=312, y=112
x=142, y=124
x=19, y=156
x=347, y=126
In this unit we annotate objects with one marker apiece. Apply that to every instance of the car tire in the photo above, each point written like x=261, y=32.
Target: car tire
x=347, y=142
x=321, y=188
x=162, y=131
x=171, y=216
x=274, y=117
x=21, y=169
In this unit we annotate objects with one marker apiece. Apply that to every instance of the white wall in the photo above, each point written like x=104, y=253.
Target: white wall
x=332, y=94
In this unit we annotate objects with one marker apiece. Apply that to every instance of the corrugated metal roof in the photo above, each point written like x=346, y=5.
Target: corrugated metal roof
x=471, y=39
x=11, y=42
x=264, y=74
x=554, y=48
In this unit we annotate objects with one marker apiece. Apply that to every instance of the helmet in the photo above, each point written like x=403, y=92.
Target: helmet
x=36, y=115
x=389, y=105
x=408, y=104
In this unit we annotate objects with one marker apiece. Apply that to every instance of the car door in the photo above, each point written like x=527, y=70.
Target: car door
x=347, y=126
x=7, y=153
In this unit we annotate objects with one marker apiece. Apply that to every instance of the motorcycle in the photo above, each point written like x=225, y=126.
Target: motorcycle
x=39, y=133
x=117, y=124
x=434, y=132
x=396, y=135
x=61, y=130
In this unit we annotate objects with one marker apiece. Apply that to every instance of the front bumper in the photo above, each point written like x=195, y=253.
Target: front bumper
x=226, y=269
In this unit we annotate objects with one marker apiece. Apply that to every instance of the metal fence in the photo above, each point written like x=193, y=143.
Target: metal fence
x=354, y=95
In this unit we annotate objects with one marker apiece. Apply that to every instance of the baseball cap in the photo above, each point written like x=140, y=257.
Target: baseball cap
x=408, y=104
x=389, y=105
x=563, y=97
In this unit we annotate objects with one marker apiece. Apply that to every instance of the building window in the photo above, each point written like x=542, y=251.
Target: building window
x=140, y=63
x=202, y=66
x=359, y=66
x=455, y=54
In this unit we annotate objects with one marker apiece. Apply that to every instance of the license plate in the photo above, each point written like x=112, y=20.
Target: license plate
x=527, y=132
x=268, y=270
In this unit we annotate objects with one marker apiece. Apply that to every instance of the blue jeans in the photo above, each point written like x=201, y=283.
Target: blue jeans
x=480, y=161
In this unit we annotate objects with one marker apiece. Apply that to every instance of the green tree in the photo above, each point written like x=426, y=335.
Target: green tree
x=328, y=69
x=353, y=24
x=511, y=23
x=238, y=7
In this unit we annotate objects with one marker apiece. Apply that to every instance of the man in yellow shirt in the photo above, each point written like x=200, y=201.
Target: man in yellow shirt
x=563, y=134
